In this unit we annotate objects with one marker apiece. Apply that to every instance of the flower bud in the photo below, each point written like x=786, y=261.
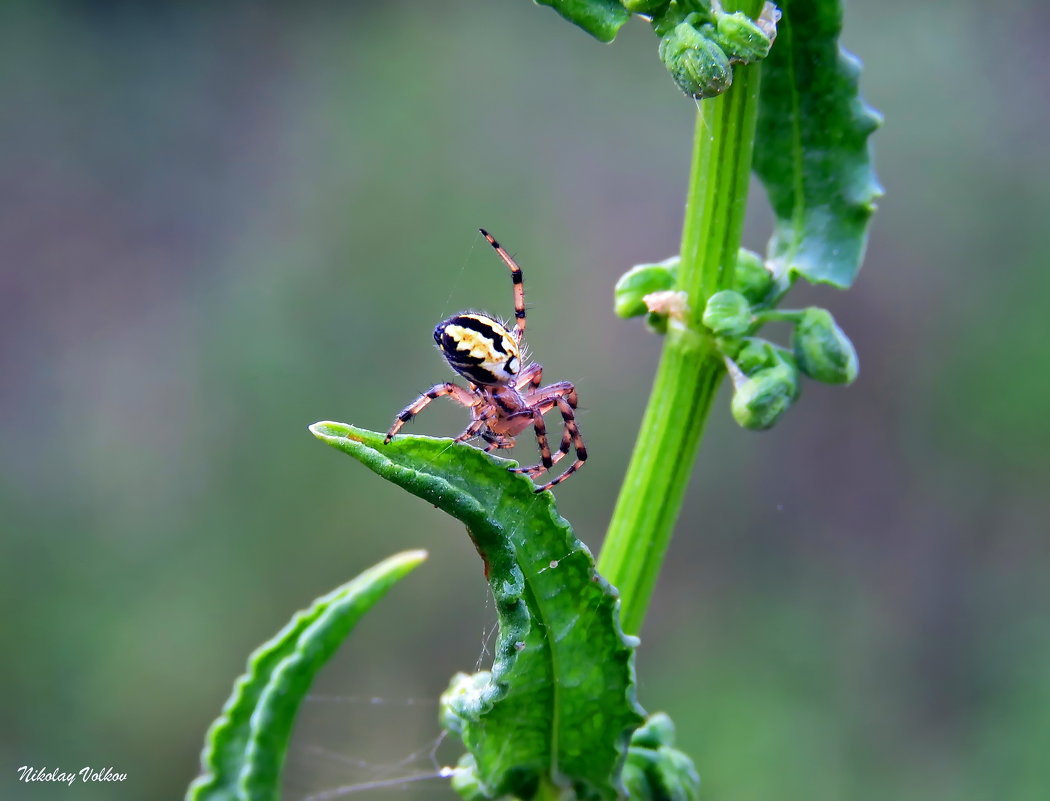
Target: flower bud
x=751, y=278
x=634, y=779
x=743, y=41
x=727, y=314
x=696, y=63
x=759, y=401
x=822, y=350
x=679, y=11
x=639, y=281
x=660, y=774
x=758, y=354
x=676, y=777
x=657, y=730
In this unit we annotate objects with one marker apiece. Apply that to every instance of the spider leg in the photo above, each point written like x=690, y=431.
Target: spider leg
x=477, y=424
x=562, y=389
x=546, y=462
x=543, y=407
x=472, y=430
x=458, y=394
x=564, y=445
x=546, y=399
x=563, y=395
x=496, y=443
x=573, y=430
x=529, y=379
x=517, y=279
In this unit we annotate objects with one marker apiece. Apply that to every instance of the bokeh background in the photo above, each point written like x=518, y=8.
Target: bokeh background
x=222, y=222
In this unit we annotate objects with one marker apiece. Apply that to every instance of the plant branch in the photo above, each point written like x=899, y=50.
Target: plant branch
x=690, y=367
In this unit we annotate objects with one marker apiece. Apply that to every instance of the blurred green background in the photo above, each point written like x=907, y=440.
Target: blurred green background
x=223, y=222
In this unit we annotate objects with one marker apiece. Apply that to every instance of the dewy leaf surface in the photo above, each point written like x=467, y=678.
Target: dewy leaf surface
x=559, y=704
x=602, y=19
x=811, y=146
x=244, y=749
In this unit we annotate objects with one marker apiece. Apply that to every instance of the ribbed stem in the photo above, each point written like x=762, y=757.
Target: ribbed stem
x=690, y=367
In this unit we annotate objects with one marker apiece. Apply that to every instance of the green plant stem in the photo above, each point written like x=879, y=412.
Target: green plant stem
x=690, y=367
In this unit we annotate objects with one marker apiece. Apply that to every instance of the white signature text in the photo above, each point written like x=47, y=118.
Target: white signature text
x=85, y=774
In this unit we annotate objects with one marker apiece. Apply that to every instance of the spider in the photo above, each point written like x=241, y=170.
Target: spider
x=505, y=396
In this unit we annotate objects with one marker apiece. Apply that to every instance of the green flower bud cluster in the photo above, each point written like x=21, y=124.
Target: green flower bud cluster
x=655, y=770
x=766, y=377
x=637, y=292
x=699, y=42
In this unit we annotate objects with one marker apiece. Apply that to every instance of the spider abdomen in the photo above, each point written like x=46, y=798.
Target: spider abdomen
x=479, y=348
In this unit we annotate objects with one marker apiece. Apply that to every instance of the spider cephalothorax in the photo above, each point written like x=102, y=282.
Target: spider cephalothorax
x=505, y=396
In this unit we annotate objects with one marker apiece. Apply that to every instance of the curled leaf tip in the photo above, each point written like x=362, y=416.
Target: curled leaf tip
x=326, y=429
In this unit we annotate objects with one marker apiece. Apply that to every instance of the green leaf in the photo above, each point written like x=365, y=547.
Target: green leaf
x=811, y=148
x=602, y=19
x=558, y=706
x=244, y=749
